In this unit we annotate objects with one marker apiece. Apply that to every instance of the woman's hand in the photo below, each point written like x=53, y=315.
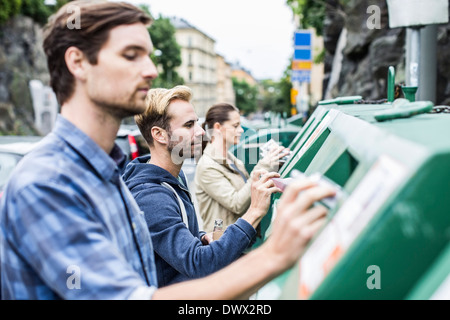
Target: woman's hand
x=272, y=158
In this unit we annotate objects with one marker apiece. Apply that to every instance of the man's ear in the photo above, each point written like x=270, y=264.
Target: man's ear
x=159, y=135
x=76, y=62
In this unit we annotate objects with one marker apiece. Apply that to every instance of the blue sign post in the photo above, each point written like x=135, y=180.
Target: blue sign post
x=302, y=60
x=301, y=76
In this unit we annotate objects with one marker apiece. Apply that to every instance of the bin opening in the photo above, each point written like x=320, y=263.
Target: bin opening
x=342, y=169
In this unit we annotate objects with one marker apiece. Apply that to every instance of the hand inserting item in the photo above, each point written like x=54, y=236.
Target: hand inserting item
x=296, y=175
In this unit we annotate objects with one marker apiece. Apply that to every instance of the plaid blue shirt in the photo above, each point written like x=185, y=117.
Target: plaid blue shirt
x=70, y=228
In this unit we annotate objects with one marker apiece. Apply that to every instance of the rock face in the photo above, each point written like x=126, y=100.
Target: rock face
x=443, y=61
x=370, y=47
x=21, y=60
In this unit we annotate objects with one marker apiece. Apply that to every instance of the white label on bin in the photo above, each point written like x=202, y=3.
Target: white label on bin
x=336, y=237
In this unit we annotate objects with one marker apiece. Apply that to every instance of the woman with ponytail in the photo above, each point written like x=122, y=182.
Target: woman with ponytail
x=223, y=185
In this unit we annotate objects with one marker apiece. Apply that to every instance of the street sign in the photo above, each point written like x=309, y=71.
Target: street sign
x=301, y=65
x=302, y=38
x=302, y=54
x=301, y=76
x=302, y=59
x=417, y=13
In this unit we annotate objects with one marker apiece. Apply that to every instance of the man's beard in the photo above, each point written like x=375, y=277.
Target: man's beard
x=120, y=109
x=179, y=151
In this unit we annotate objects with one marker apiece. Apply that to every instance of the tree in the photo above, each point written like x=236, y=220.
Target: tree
x=276, y=95
x=311, y=13
x=246, y=96
x=35, y=9
x=8, y=9
x=167, y=52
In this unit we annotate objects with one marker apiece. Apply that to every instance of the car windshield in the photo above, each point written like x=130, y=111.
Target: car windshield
x=8, y=162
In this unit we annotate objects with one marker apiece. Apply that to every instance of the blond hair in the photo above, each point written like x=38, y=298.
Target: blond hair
x=156, y=114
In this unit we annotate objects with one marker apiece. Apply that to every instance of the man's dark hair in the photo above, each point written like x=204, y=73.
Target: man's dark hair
x=85, y=25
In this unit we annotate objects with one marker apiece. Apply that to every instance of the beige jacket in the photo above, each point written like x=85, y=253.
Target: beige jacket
x=220, y=190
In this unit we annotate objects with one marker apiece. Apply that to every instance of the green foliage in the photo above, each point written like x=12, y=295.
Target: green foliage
x=162, y=33
x=36, y=9
x=8, y=9
x=57, y=5
x=167, y=52
x=285, y=86
x=311, y=13
x=276, y=95
x=246, y=96
x=320, y=57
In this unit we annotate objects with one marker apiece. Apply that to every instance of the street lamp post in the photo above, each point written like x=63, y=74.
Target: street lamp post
x=417, y=16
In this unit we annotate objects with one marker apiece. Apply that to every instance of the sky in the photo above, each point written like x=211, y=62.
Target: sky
x=256, y=33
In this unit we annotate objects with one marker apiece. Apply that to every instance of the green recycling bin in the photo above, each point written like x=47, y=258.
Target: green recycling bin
x=435, y=283
x=313, y=133
x=392, y=163
x=248, y=150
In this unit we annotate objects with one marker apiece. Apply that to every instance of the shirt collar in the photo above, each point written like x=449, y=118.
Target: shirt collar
x=106, y=166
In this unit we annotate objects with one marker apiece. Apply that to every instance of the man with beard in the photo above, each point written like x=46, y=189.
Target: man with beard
x=157, y=182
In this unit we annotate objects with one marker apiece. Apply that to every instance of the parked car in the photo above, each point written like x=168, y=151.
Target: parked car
x=12, y=150
x=132, y=143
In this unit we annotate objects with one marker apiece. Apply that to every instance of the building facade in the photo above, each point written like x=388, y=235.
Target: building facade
x=202, y=69
x=225, y=91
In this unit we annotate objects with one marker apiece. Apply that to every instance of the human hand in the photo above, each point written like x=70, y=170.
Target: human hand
x=297, y=221
x=261, y=190
x=207, y=238
x=272, y=158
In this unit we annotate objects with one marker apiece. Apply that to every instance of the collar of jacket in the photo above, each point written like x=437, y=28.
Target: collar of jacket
x=211, y=153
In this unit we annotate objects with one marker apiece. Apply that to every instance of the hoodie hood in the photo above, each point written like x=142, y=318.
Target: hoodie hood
x=138, y=172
